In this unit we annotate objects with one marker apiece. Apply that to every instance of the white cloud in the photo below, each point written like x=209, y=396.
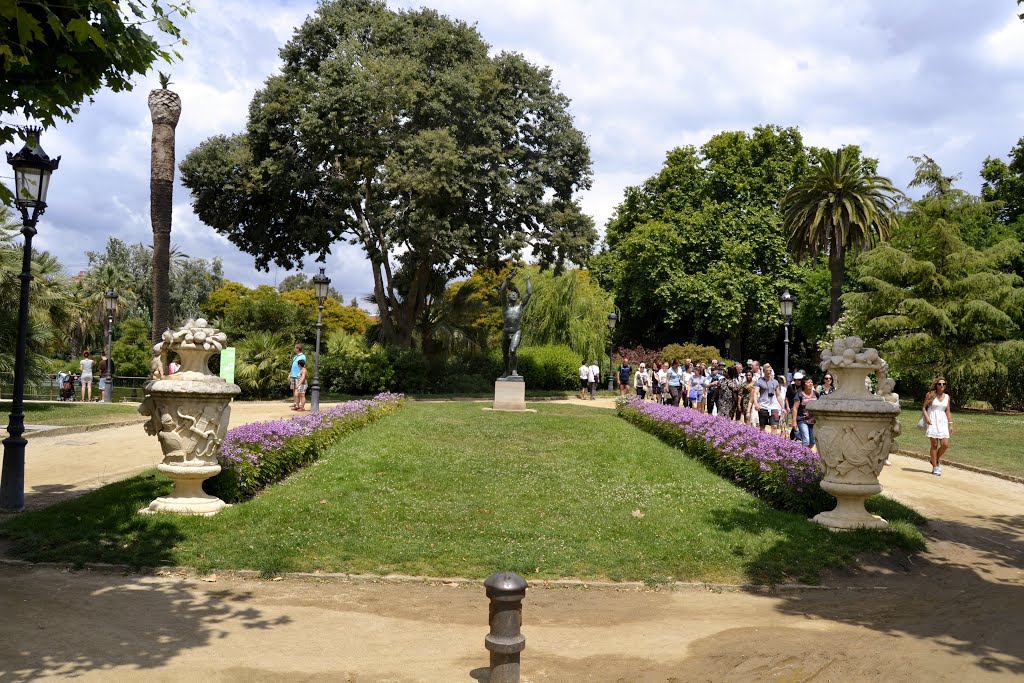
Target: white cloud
x=941, y=78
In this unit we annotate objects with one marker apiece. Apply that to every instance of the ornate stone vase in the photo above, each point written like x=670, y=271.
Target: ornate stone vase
x=188, y=413
x=854, y=430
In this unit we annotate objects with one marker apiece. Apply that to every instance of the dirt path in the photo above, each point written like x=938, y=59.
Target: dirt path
x=951, y=614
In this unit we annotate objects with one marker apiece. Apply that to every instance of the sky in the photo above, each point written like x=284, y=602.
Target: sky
x=896, y=77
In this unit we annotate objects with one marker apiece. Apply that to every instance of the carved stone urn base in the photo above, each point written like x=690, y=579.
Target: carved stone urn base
x=849, y=512
x=188, y=497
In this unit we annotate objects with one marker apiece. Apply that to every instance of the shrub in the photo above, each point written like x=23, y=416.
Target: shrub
x=695, y=352
x=258, y=454
x=637, y=355
x=784, y=473
x=348, y=367
x=550, y=367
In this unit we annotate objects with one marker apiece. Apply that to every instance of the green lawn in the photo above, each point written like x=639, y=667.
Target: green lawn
x=448, y=489
x=985, y=440
x=70, y=414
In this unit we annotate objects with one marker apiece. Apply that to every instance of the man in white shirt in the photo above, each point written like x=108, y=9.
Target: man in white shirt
x=584, y=380
x=595, y=376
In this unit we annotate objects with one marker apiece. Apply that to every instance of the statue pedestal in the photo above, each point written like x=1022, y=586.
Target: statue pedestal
x=510, y=394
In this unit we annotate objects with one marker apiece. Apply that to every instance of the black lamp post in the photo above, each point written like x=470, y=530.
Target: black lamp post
x=32, y=169
x=728, y=344
x=786, y=302
x=321, y=283
x=612, y=319
x=109, y=303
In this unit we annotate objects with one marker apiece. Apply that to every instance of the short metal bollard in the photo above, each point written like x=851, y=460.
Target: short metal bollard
x=505, y=641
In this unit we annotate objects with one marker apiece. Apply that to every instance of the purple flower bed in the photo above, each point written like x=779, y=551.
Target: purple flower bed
x=782, y=472
x=255, y=455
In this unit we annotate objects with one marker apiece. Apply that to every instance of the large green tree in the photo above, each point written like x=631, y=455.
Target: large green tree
x=934, y=303
x=399, y=132
x=839, y=204
x=56, y=55
x=697, y=252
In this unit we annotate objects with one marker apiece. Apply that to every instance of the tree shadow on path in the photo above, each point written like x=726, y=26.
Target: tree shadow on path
x=65, y=624
x=965, y=594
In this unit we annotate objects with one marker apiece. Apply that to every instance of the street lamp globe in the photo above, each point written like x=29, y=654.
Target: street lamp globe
x=321, y=285
x=110, y=300
x=32, y=169
x=612, y=319
x=786, y=301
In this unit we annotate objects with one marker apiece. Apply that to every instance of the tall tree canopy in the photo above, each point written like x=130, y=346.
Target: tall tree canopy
x=697, y=252
x=1004, y=183
x=55, y=55
x=934, y=303
x=399, y=132
x=840, y=203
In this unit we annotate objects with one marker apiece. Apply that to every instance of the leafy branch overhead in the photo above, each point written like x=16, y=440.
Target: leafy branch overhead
x=399, y=132
x=56, y=55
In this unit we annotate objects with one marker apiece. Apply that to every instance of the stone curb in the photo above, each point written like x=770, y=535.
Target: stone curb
x=962, y=466
x=340, y=577
x=79, y=429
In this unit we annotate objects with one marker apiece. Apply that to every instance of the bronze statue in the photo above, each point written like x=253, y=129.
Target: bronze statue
x=512, y=314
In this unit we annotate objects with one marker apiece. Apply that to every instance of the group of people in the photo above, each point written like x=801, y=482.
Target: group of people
x=66, y=380
x=754, y=395
x=751, y=394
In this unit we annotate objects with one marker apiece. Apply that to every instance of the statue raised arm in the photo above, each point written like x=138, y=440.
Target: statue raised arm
x=512, y=317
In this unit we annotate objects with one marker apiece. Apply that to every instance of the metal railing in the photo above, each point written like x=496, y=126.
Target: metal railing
x=126, y=390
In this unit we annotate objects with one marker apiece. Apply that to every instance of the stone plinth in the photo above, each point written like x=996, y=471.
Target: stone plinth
x=510, y=394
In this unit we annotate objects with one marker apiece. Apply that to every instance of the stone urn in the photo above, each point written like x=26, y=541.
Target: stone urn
x=188, y=413
x=854, y=430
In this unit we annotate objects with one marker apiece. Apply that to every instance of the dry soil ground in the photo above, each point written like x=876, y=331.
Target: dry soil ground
x=954, y=613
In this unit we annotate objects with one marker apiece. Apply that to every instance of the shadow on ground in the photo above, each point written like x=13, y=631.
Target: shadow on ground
x=100, y=526
x=124, y=622
x=965, y=594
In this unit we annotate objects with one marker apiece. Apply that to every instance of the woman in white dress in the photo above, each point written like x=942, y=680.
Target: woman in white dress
x=939, y=422
x=85, y=367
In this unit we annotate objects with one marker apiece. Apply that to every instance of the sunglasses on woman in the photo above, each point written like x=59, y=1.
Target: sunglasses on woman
x=940, y=384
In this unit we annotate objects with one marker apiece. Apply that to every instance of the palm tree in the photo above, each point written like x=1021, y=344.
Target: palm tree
x=165, y=110
x=839, y=204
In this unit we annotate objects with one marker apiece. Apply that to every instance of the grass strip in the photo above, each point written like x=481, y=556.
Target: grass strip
x=451, y=490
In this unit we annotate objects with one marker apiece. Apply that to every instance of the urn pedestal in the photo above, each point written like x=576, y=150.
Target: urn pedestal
x=854, y=430
x=188, y=413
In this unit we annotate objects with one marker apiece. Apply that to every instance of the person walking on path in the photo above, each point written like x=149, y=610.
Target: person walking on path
x=300, y=385
x=625, y=371
x=584, y=380
x=804, y=420
x=769, y=401
x=85, y=368
x=939, y=422
x=595, y=375
x=675, y=382
x=642, y=381
x=293, y=375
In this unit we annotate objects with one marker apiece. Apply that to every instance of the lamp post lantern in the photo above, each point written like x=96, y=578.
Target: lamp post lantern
x=786, y=301
x=612, y=319
x=32, y=169
x=728, y=344
x=321, y=284
x=110, y=304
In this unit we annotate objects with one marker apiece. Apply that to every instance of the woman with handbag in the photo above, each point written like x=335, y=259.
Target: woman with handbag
x=804, y=420
x=939, y=423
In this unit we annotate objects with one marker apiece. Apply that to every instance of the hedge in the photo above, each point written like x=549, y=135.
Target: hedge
x=258, y=454
x=783, y=473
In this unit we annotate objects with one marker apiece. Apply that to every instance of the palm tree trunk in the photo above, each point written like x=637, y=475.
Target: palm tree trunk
x=165, y=109
x=837, y=267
